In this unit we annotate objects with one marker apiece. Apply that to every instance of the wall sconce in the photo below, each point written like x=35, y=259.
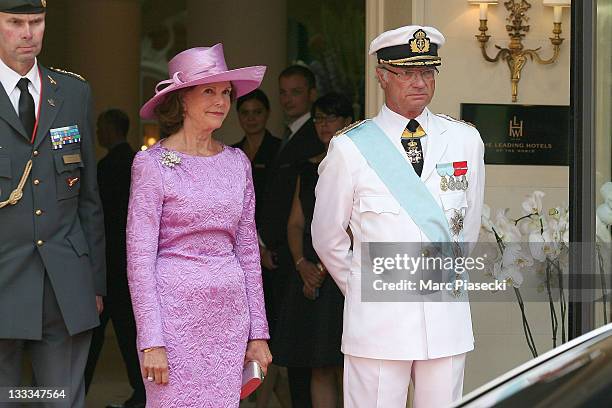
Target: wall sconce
x=151, y=135
x=514, y=55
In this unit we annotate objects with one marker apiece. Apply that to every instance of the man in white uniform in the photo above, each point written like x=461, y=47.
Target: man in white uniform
x=407, y=175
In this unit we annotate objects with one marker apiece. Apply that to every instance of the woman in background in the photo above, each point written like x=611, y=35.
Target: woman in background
x=261, y=148
x=258, y=143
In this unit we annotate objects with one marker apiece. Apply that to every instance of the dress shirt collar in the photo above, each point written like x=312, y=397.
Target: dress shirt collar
x=298, y=123
x=393, y=124
x=10, y=78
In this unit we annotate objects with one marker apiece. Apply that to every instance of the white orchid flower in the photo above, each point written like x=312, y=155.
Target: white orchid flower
x=564, y=224
x=485, y=218
x=558, y=223
x=508, y=273
x=604, y=212
x=606, y=190
x=544, y=245
x=606, y=193
x=536, y=246
x=533, y=203
x=515, y=254
x=506, y=229
x=602, y=232
x=531, y=224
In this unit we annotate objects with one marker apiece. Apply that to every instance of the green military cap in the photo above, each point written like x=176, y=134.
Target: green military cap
x=23, y=6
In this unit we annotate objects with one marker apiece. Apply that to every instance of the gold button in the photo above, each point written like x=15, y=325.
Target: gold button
x=38, y=212
x=35, y=153
x=40, y=242
x=36, y=182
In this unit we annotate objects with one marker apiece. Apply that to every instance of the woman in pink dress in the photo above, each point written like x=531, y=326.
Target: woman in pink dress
x=193, y=258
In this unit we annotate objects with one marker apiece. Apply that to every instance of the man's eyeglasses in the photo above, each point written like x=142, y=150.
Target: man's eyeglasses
x=320, y=119
x=411, y=75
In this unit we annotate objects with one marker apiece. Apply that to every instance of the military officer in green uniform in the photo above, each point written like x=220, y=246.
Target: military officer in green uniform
x=52, y=272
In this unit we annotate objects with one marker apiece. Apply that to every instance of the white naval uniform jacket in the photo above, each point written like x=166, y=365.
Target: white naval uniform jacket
x=350, y=194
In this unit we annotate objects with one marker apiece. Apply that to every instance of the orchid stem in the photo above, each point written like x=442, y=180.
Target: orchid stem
x=553, y=313
x=562, y=302
x=523, y=217
x=519, y=298
x=526, y=328
x=603, y=285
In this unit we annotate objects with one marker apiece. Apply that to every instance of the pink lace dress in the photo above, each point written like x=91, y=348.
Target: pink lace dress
x=194, y=272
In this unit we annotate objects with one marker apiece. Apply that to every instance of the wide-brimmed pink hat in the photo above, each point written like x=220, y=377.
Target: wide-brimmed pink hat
x=202, y=65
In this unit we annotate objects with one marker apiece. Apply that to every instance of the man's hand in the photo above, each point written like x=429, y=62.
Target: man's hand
x=155, y=365
x=257, y=350
x=267, y=258
x=99, y=304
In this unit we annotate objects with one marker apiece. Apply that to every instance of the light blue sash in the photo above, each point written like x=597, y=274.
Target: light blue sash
x=401, y=180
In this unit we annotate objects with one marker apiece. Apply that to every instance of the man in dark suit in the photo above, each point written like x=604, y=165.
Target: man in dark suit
x=52, y=267
x=297, y=93
x=114, y=172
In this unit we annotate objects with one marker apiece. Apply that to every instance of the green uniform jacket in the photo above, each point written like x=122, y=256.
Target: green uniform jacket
x=58, y=225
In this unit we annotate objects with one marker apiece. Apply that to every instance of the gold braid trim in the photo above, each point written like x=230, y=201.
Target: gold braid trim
x=449, y=117
x=349, y=127
x=72, y=74
x=404, y=62
x=416, y=58
x=17, y=193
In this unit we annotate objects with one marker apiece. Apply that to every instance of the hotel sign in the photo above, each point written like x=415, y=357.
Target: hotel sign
x=521, y=134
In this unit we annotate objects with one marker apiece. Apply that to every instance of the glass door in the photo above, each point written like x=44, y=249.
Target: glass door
x=603, y=152
x=591, y=166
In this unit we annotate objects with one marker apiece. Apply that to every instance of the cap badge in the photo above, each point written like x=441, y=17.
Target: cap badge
x=420, y=42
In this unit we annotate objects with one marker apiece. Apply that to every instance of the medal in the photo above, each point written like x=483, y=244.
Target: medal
x=464, y=183
x=451, y=184
x=443, y=184
x=444, y=169
x=460, y=170
x=456, y=222
x=414, y=155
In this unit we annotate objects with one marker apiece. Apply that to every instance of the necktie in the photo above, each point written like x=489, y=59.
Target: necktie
x=26, y=106
x=411, y=140
x=285, y=140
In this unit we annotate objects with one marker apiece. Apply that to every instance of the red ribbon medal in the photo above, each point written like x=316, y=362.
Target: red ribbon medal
x=460, y=168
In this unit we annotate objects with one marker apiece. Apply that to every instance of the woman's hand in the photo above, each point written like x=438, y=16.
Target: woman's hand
x=309, y=292
x=267, y=258
x=99, y=304
x=155, y=365
x=257, y=350
x=310, y=273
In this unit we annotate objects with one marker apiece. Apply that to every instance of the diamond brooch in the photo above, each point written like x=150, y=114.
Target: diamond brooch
x=170, y=159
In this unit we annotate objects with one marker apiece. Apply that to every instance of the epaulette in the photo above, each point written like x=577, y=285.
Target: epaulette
x=350, y=127
x=72, y=74
x=448, y=117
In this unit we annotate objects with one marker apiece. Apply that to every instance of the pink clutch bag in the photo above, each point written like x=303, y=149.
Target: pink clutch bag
x=252, y=377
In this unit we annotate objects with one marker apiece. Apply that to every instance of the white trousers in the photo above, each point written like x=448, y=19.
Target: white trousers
x=371, y=383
